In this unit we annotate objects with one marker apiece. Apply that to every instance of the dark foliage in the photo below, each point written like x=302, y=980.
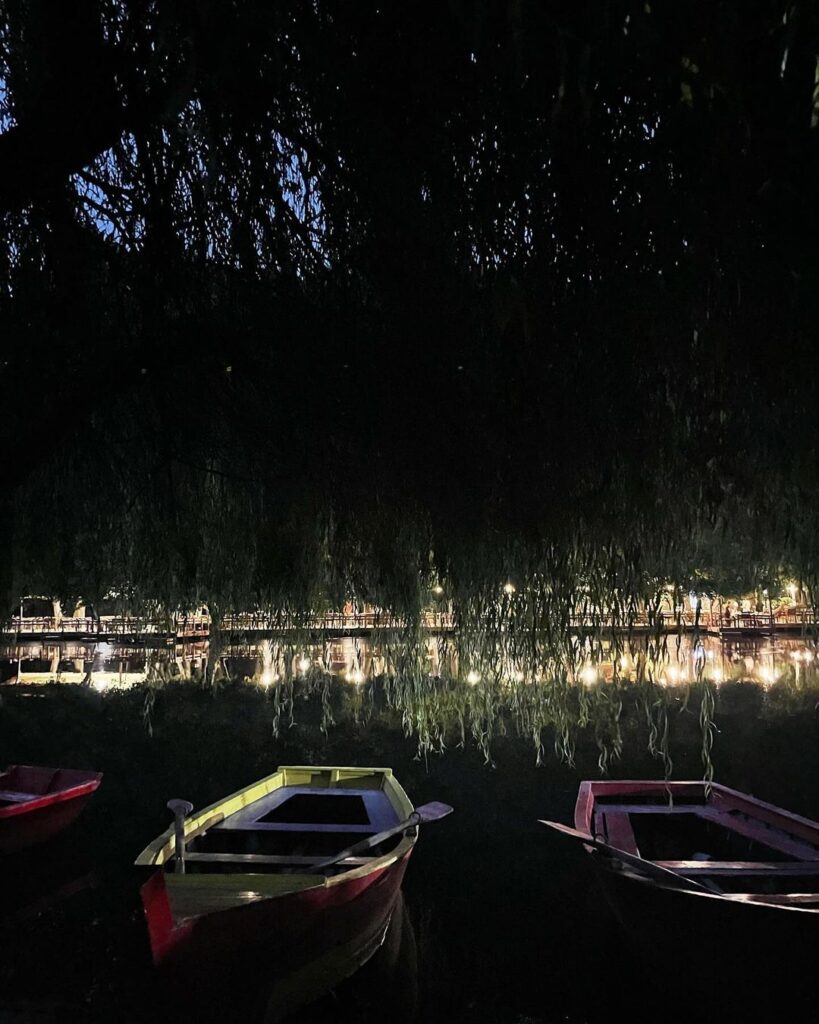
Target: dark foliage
x=317, y=298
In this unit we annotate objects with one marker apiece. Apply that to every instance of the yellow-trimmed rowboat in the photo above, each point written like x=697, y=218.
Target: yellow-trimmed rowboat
x=261, y=888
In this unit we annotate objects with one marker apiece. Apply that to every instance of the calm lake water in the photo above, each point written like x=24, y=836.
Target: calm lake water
x=499, y=920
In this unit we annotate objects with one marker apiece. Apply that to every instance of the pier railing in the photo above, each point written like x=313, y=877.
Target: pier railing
x=194, y=626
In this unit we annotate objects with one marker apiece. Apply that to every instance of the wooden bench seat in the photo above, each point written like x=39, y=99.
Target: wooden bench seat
x=252, y=859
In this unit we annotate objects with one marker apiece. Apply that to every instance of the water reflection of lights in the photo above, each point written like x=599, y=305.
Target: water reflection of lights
x=767, y=675
x=588, y=675
x=777, y=661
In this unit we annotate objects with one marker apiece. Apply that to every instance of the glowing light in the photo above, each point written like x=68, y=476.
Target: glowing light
x=709, y=655
x=749, y=663
x=792, y=590
x=673, y=674
x=101, y=683
x=356, y=676
x=304, y=664
x=438, y=589
x=473, y=677
x=509, y=588
x=807, y=655
x=268, y=677
x=796, y=655
x=767, y=675
x=588, y=675
x=624, y=662
x=716, y=675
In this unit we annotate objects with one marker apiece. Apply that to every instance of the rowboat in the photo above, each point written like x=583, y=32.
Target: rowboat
x=37, y=803
x=702, y=868
x=290, y=881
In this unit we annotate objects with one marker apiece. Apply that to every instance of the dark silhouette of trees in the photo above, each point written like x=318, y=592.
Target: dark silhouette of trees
x=305, y=297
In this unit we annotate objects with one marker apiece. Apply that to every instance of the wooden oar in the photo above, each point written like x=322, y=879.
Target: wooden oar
x=426, y=812
x=646, y=867
x=180, y=810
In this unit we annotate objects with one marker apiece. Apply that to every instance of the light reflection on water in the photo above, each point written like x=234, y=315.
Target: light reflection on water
x=673, y=662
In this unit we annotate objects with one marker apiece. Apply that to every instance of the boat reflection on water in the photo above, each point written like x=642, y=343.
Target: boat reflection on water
x=388, y=979
x=35, y=882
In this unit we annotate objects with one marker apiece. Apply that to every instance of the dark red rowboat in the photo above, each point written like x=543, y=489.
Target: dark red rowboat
x=36, y=803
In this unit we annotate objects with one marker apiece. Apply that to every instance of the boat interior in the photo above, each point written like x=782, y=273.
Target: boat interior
x=724, y=840
x=296, y=826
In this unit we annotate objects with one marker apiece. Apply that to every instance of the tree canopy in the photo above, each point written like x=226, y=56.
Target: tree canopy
x=307, y=299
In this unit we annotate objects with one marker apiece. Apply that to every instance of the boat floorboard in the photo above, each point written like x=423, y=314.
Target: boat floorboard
x=376, y=804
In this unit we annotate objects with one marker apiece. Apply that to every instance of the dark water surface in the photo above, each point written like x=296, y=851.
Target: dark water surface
x=500, y=921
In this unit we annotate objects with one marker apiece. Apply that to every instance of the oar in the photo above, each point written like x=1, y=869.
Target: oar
x=180, y=809
x=647, y=867
x=421, y=815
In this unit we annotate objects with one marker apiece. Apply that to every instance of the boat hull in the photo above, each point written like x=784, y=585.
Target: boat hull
x=36, y=803
x=37, y=826
x=274, y=955
x=747, y=960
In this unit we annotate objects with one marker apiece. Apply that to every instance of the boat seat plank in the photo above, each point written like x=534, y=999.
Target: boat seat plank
x=13, y=796
x=618, y=831
x=777, y=898
x=195, y=895
x=741, y=867
x=250, y=825
x=263, y=858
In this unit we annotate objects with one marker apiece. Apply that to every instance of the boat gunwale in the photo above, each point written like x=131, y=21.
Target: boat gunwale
x=161, y=850
x=591, y=789
x=40, y=801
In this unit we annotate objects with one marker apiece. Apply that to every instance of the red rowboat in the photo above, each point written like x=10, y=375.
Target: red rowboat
x=37, y=803
x=703, y=869
x=261, y=900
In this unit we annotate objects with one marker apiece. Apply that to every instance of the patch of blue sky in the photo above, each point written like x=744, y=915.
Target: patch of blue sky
x=301, y=191
x=6, y=117
x=106, y=202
